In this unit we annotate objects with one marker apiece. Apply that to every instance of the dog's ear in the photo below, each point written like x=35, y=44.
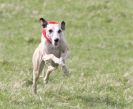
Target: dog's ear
x=43, y=22
x=63, y=25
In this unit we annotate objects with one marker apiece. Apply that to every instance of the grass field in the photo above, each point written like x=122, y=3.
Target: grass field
x=100, y=36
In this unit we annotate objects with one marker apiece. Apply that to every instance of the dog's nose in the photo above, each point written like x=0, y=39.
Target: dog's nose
x=56, y=40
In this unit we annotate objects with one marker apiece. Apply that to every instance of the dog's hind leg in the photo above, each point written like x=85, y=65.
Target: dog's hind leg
x=49, y=70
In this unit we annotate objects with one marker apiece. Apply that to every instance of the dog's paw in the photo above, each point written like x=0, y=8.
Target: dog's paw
x=44, y=58
x=60, y=62
x=65, y=70
x=45, y=81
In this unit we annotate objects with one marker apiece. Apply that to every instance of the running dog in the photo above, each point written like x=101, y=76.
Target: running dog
x=51, y=52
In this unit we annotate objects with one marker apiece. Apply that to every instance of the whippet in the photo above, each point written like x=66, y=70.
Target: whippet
x=51, y=52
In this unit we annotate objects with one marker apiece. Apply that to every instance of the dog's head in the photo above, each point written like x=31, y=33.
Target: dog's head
x=54, y=31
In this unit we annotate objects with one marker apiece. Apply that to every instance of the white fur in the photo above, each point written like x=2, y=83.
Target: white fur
x=50, y=55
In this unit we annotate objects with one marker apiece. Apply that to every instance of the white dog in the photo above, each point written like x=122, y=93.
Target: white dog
x=52, y=51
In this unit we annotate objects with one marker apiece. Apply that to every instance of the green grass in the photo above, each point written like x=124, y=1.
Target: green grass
x=100, y=37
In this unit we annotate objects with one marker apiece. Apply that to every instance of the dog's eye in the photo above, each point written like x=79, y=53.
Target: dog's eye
x=50, y=31
x=59, y=31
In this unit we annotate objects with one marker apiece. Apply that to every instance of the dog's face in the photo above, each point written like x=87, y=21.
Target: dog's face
x=54, y=31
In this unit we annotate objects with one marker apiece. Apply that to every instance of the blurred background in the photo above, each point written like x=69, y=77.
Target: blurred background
x=100, y=38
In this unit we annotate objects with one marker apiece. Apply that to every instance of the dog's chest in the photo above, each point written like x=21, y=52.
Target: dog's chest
x=54, y=50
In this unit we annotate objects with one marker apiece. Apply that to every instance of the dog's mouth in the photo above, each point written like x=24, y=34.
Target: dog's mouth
x=56, y=44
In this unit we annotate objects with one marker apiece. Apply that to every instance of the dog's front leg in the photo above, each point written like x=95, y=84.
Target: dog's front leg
x=64, y=67
x=63, y=58
x=65, y=70
x=38, y=65
x=53, y=58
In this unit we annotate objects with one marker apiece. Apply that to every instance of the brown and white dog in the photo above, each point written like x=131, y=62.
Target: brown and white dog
x=51, y=52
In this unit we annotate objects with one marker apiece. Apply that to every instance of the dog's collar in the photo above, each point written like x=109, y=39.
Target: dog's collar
x=48, y=40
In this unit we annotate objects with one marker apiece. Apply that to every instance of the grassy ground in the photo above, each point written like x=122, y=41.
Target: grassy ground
x=100, y=36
